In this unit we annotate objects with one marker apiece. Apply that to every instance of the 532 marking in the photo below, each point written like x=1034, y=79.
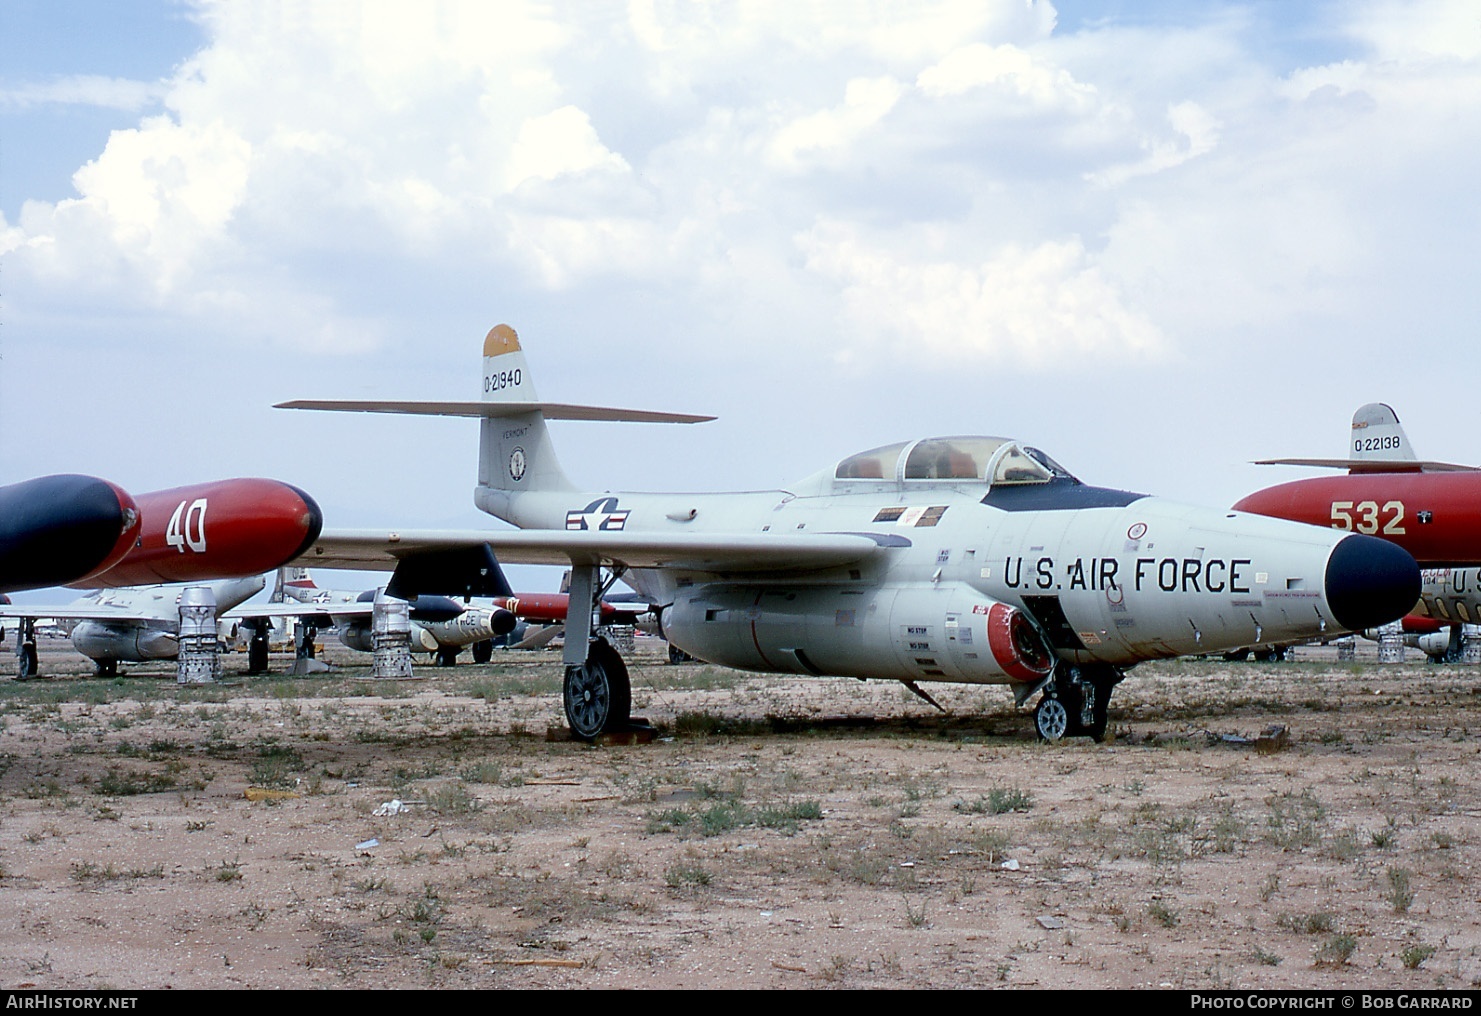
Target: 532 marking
x=1368, y=517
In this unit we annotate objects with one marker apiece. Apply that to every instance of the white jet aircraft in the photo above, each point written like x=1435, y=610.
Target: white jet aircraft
x=132, y=624
x=958, y=559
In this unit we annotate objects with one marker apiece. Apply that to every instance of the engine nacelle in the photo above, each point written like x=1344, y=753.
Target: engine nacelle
x=357, y=636
x=1435, y=644
x=130, y=644
x=917, y=632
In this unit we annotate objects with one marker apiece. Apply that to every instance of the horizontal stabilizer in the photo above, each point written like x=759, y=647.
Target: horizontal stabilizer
x=550, y=410
x=1374, y=465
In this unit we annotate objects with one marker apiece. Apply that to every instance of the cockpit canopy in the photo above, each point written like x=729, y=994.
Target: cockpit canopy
x=990, y=460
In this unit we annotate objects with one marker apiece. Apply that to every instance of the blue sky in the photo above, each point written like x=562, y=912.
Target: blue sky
x=1157, y=240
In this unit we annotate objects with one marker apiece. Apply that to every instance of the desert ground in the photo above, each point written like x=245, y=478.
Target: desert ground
x=338, y=831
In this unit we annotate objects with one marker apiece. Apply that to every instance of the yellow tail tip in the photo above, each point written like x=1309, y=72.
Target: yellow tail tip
x=500, y=339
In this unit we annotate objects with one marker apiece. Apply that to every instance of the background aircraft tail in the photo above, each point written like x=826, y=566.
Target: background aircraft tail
x=1378, y=445
x=293, y=584
x=1377, y=437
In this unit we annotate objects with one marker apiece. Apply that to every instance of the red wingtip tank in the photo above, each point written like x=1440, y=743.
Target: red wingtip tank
x=217, y=530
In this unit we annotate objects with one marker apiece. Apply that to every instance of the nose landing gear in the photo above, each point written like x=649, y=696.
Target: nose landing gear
x=1076, y=702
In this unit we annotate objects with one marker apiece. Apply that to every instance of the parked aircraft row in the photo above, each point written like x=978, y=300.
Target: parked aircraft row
x=141, y=624
x=968, y=559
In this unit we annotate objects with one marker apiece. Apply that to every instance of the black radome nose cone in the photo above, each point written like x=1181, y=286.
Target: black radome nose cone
x=1370, y=582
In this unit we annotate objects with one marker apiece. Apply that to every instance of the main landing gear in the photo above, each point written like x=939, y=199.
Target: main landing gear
x=597, y=693
x=27, y=664
x=1076, y=702
x=258, y=645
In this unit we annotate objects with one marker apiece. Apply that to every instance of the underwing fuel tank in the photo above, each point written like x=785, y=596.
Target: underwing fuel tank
x=929, y=631
x=474, y=624
x=221, y=529
x=59, y=529
x=550, y=608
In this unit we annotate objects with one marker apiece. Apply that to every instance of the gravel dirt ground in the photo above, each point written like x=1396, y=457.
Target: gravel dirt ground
x=781, y=832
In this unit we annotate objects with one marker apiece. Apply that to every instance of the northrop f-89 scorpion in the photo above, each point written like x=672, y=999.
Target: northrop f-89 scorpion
x=951, y=559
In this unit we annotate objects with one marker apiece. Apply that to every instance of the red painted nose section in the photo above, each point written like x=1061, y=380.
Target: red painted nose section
x=1436, y=517
x=218, y=530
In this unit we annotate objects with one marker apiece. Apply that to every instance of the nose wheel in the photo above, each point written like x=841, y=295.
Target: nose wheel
x=597, y=694
x=1051, y=719
x=1076, y=703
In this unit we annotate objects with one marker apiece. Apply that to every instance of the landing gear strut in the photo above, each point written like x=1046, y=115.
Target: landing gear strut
x=1076, y=702
x=597, y=692
x=27, y=665
x=257, y=648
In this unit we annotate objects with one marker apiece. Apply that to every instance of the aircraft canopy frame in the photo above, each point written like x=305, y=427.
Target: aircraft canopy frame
x=993, y=461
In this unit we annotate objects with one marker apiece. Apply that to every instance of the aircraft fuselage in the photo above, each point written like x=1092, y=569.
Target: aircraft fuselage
x=1107, y=576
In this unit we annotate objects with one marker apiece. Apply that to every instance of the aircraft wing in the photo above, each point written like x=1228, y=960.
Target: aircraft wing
x=332, y=613
x=735, y=553
x=90, y=612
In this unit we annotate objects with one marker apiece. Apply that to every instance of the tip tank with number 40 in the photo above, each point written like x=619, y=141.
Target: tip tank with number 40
x=217, y=530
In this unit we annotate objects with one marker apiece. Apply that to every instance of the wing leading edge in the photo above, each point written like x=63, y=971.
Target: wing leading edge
x=383, y=550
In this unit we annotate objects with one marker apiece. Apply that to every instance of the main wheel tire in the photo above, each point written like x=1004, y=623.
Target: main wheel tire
x=483, y=651
x=27, y=664
x=598, y=693
x=448, y=657
x=105, y=668
x=257, y=656
x=1051, y=719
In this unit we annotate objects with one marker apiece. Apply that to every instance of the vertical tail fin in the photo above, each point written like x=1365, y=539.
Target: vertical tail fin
x=293, y=584
x=1378, y=437
x=514, y=452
